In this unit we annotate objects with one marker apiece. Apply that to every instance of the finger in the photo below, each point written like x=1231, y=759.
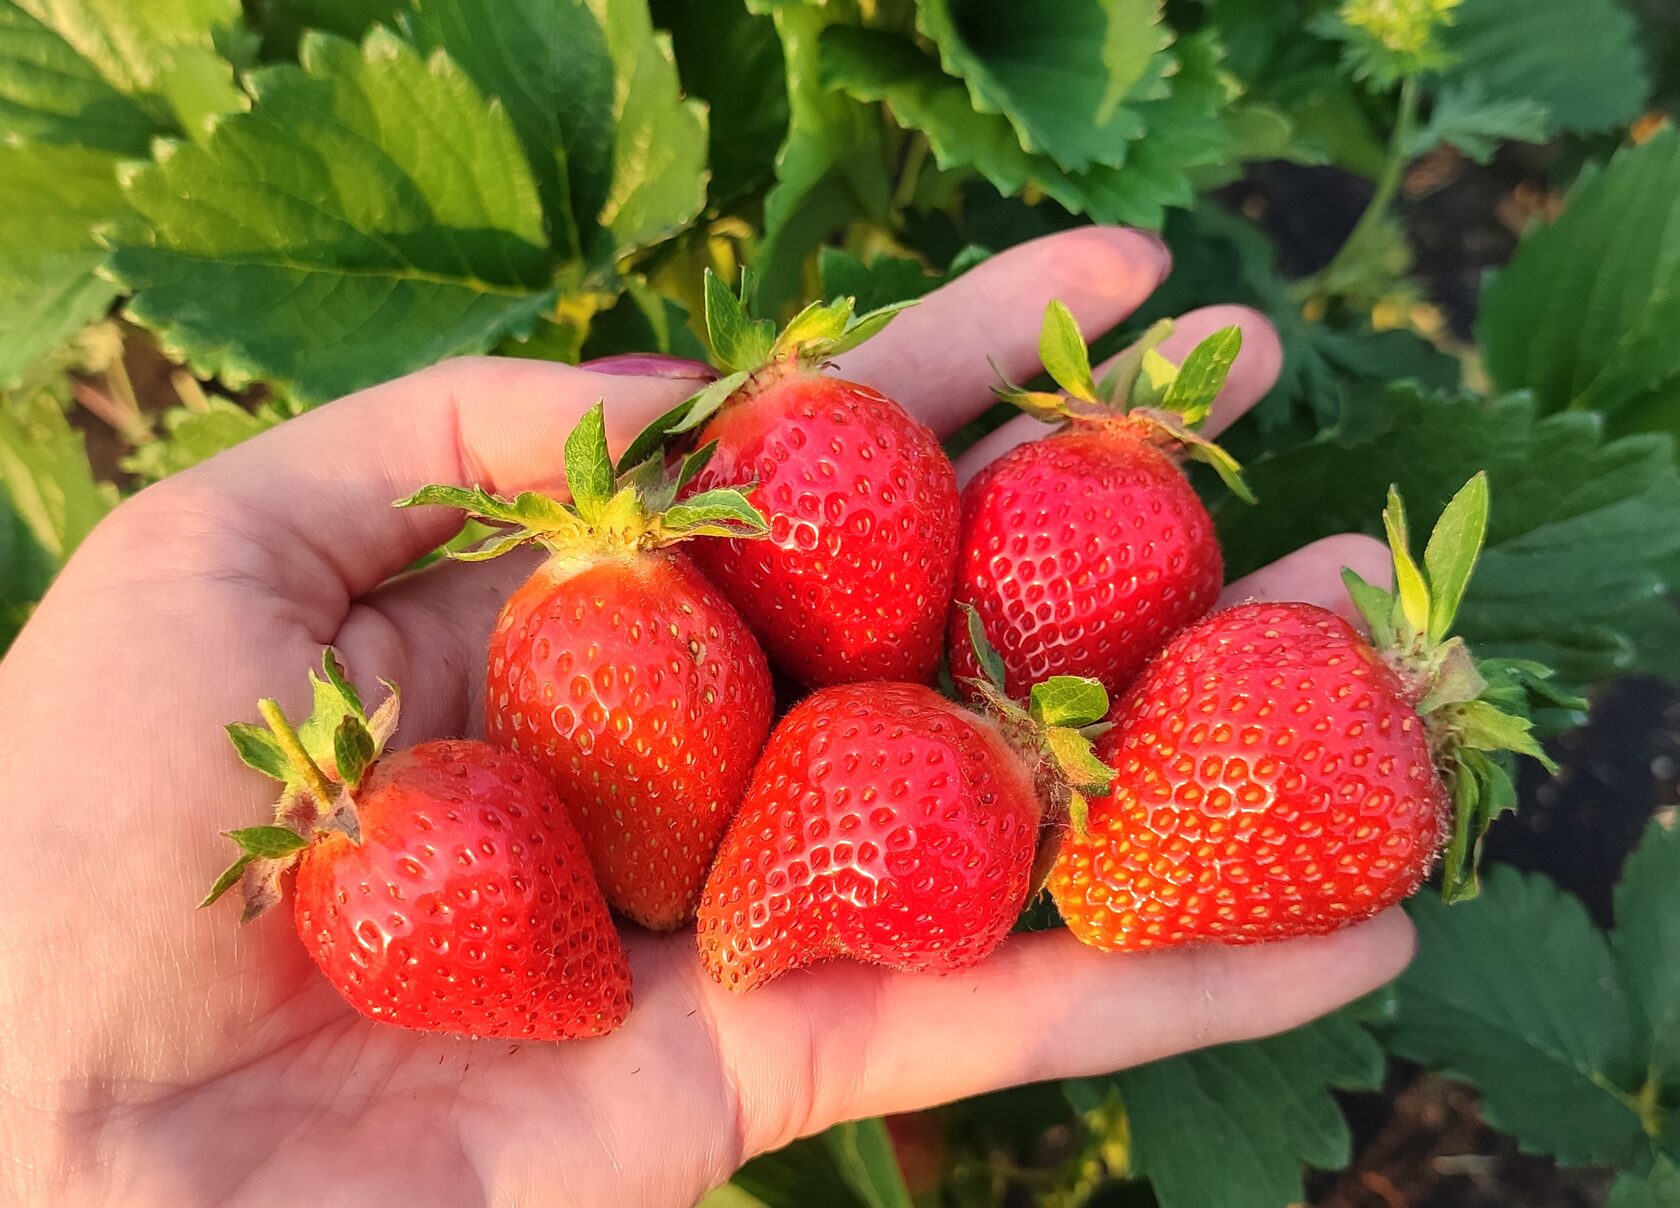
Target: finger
x=317, y=491
x=1253, y=374
x=1043, y=1006
x=1313, y=574
x=428, y=632
x=933, y=358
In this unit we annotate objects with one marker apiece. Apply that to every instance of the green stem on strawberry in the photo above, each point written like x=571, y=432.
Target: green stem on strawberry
x=1053, y=734
x=615, y=510
x=1475, y=710
x=749, y=352
x=338, y=734
x=292, y=747
x=1144, y=391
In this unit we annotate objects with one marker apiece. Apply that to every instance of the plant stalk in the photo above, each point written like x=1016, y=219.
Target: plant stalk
x=1387, y=185
x=292, y=745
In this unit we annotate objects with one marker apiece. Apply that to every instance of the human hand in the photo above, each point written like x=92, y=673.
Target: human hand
x=151, y=1054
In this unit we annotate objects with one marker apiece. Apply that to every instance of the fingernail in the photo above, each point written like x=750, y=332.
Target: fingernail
x=651, y=364
x=1162, y=251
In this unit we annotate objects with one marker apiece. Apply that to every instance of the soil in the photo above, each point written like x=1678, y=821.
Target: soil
x=1424, y=1146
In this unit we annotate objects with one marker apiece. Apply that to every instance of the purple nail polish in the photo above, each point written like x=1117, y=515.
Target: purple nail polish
x=651, y=364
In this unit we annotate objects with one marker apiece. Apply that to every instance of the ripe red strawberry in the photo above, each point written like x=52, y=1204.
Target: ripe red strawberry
x=1278, y=775
x=854, y=580
x=1085, y=551
x=441, y=888
x=887, y=824
x=623, y=673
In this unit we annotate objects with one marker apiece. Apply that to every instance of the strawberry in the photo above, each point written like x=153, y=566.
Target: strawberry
x=855, y=578
x=441, y=888
x=619, y=669
x=1280, y=775
x=887, y=824
x=1085, y=551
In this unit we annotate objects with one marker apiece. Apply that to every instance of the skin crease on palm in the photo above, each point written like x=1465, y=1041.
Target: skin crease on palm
x=155, y=1054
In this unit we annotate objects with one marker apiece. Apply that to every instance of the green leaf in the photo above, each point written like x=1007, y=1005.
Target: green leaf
x=227, y=880
x=1584, y=315
x=704, y=404
x=546, y=61
x=267, y=842
x=1647, y=941
x=1199, y=448
x=818, y=323
x=283, y=22
x=1374, y=604
x=693, y=463
x=45, y=478
x=731, y=1196
x=991, y=662
x=1220, y=257
x=1057, y=70
x=353, y=750
x=1231, y=1126
x=162, y=56
x=659, y=138
x=1078, y=764
x=1450, y=557
x=1184, y=127
x=1202, y=375
x=1068, y=700
x=1516, y=993
x=1488, y=728
x=882, y=282
x=25, y=572
x=190, y=435
x=804, y=1174
x=1657, y=1188
x=1061, y=350
x=592, y=93
x=51, y=198
x=1579, y=59
x=330, y=706
x=650, y=441
x=723, y=512
x=1120, y=384
x=1580, y=536
x=1478, y=125
x=1409, y=586
x=863, y=1153
x=333, y=671
x=589, y=466
x=50, y=93
x=739, y=342
x=641, y=320
x=259, y=749
x=860, y=329
x=731, y=59
x=832, y=169
x=320, y=241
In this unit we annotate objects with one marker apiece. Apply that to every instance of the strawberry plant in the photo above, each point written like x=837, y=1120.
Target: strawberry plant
x=215, y=216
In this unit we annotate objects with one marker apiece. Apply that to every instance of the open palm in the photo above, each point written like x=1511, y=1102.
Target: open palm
x=153, y=1054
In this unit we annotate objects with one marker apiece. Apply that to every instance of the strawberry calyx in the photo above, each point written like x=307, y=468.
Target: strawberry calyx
x=320, y=765
x=1143, y=395
x=1476, y=711
x=1053, y=733
x=751, y=354
x=615, y=510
